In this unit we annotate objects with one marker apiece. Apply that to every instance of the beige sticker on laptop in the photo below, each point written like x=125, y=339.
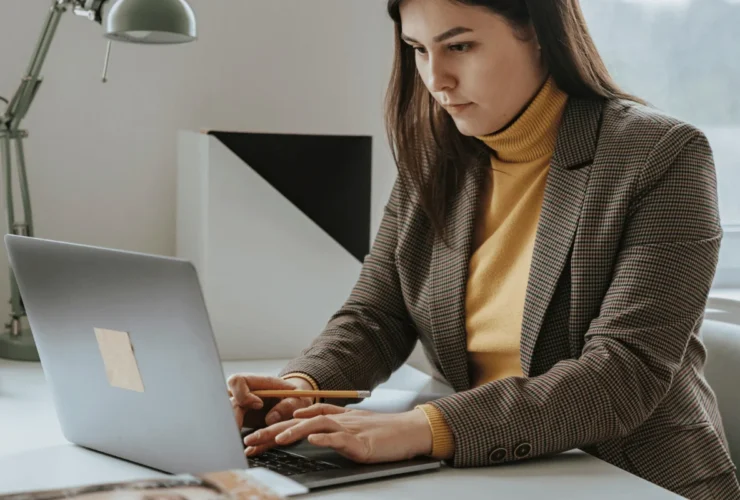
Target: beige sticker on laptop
x=119, y=359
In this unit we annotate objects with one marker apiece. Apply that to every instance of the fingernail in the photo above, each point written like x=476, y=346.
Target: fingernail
x=250, y=450
x=256, y=405
x=272, y=418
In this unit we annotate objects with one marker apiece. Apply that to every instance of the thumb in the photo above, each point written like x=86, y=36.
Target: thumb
x=241, y=386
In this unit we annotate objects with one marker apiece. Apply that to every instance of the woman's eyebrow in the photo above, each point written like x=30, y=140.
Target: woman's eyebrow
x=444, y=36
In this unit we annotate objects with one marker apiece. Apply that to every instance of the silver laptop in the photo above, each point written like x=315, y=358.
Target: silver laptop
x=127, y=349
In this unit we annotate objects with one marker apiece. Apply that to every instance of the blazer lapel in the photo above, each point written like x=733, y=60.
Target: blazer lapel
x=449, y=273
x=567, y=180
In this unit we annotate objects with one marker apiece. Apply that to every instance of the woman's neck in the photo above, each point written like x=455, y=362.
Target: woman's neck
x=533, y=133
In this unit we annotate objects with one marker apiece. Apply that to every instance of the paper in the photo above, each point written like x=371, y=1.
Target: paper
x=223, y=485
x=255, y=484
x=118, y=357
x=281, y=485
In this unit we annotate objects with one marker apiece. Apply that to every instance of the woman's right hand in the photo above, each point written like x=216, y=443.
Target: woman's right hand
x=251, y=411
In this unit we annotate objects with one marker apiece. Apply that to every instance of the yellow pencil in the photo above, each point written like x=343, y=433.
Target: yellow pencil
x=267, y=393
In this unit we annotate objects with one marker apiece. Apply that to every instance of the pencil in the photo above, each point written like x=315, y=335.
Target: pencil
x=267, y=393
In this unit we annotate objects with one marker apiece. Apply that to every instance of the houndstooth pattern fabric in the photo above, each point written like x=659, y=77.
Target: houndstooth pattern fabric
x=711, y=489
x=625, y=253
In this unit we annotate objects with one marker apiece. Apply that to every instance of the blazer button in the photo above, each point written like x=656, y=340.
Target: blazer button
x=497, y=455
x=523, y=450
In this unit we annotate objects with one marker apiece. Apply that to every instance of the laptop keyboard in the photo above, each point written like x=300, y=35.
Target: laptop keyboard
x=288, y=464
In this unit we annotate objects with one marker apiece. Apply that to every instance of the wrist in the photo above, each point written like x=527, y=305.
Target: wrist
x=421, y=432
x=299, y=383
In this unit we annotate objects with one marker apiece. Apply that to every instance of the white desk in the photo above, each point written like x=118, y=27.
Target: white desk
x=35, y=455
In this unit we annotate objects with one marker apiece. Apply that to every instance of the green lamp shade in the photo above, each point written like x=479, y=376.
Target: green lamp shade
x=151, y=22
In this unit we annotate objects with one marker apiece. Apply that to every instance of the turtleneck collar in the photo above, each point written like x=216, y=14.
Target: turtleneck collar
x=534, y=133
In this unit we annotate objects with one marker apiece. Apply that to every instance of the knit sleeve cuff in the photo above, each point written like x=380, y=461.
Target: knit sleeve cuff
x=443, y=441
x=305, y=377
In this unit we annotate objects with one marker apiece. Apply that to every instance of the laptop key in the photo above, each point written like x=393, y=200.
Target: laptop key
x=289, y=464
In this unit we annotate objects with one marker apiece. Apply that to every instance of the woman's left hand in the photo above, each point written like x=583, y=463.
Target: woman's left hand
x=361, y=436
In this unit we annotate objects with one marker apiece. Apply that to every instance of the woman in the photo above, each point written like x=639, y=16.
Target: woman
x=550, y=240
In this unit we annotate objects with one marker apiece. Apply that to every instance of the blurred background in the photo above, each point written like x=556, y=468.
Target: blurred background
x=683, y=56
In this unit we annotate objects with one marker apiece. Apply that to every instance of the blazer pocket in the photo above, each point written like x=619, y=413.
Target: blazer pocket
x=680, y=457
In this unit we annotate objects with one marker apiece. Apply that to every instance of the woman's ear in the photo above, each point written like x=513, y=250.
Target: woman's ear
x=535, y=40
x=525, y=32
x=530, y=34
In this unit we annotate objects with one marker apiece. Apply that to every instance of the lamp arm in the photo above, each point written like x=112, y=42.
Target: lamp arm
x=21, y=101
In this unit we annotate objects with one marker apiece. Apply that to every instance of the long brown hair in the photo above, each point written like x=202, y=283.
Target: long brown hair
x=430, y=152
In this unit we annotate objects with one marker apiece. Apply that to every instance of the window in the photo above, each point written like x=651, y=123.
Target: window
x=683, y=56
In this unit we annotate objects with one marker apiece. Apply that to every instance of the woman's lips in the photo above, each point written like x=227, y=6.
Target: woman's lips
x=457, y=108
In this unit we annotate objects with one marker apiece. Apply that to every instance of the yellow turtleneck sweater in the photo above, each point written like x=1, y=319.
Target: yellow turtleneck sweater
x=503, y=242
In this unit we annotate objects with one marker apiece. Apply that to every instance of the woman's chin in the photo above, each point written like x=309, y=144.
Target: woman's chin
x=465, y=127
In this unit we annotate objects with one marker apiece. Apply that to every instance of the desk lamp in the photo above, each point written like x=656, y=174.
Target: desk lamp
x=132, y=21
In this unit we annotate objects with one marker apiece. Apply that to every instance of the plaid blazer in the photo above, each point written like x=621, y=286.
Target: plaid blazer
x=625, y=254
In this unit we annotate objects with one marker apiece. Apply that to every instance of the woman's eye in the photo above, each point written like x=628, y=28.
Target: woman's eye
x=460, y=47
x=420, y=50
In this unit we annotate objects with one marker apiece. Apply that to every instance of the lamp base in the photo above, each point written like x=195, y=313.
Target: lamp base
x=19, y=347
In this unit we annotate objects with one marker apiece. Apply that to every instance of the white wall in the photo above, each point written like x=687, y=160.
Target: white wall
x=101, y=157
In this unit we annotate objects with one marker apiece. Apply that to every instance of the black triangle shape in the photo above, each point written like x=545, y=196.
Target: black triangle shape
x=327, y=177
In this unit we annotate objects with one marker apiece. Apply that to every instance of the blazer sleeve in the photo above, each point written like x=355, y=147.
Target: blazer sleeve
x=372, y=334
x=634, y=348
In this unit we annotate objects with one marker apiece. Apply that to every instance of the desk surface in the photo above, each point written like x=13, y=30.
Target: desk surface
x=35, y=455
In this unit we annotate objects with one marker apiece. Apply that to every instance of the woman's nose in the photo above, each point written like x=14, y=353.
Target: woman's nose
x=440, y=78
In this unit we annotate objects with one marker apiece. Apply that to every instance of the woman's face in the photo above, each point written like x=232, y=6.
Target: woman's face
x=476, y=65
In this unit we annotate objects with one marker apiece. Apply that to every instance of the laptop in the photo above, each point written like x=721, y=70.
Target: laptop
x=127, y=350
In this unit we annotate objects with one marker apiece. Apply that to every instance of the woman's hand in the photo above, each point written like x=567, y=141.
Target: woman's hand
x=361, y=436
x=251, y=411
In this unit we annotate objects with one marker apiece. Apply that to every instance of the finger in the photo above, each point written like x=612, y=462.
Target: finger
x=267, y=435
x=252, y=451
x=251, y=402
x=241, y=386
x=241, y=392
x=252, y=405
x=303, y=428
x=319, y=409
x=285, y=409
x=238, y=412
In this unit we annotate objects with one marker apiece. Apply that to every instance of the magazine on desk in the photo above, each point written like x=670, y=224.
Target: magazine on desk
x=242, y=484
